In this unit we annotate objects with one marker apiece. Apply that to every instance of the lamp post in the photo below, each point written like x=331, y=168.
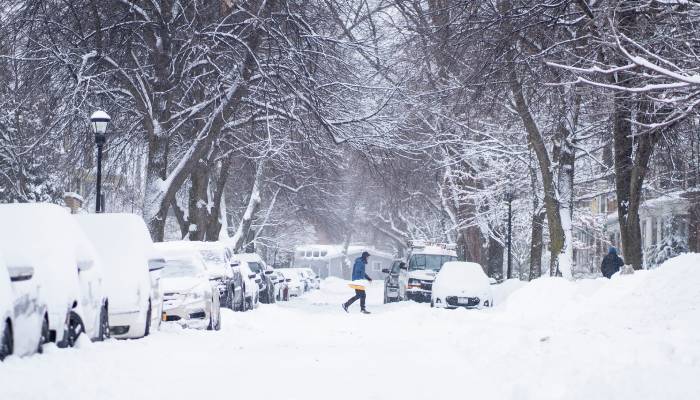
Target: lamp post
x=98, y=122
x=509, y=198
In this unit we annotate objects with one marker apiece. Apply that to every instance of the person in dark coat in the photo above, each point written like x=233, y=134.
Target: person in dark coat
x=611, y=263
x=358, y=277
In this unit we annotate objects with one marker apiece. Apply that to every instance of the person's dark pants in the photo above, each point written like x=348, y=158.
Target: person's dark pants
x=359, y=294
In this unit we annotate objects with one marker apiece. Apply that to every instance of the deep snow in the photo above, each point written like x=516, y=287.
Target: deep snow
x=632, y=337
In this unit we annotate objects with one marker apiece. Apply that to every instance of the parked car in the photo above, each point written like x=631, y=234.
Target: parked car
x=251, y=281
x=314, y=280
x=294, y=282
x=66, y=268
x=189, y=297
x=461, y=284
x=125, y=247
x=259, y=267
x=24, y=324
x=218, y=260
x=418, y=272
x=281, y=287
x=391, y=281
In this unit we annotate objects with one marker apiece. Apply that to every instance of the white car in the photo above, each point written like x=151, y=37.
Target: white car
x=66, y=268
x=461, y=284
x=189, y=297
x=251, y=281
x=125, y=247
x=218, y=260
x=24, y=323
x=294, y=282
x=416, y=275
x=314, y=279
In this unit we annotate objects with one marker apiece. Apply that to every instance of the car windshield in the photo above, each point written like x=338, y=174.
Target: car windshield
x=255, y=267
x=212, y=256
x=428, y=261
x=179, y=268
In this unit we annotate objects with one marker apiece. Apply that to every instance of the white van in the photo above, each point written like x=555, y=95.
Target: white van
x=125, y=246
x=66, y=266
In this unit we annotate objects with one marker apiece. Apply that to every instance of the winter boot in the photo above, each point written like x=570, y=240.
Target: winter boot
x=365, y=312
x=345, y=307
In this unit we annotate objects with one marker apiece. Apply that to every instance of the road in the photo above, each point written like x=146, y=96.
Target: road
x=309, y=348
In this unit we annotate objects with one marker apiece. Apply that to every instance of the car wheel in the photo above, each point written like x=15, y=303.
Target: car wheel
x=104, y=324
x=149, y=315
x=74, y=328
x=6, y=346
x=45, y=333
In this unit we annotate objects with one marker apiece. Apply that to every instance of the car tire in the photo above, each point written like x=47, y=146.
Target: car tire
x=104, y=325
x=432, y=303
x=45, y=335
x=149, y=316
x=74, y=328
x=6, y=346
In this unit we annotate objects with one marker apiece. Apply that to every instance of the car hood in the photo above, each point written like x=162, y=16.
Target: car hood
x=425, y=275
x=180, y=285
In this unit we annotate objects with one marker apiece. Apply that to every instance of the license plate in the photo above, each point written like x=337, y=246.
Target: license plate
x=463, y=300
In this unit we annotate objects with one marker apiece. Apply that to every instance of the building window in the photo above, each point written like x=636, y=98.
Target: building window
x=308, y=253
x=324, y=253
x=316, y=253
x=377, y=267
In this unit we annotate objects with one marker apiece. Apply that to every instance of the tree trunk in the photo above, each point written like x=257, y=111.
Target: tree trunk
x=254, y=201
x=551, y=200
x=495, y=259
x=536, y=244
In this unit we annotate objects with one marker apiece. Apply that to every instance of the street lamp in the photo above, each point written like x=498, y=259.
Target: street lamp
x=509, y=196
x=99, y=121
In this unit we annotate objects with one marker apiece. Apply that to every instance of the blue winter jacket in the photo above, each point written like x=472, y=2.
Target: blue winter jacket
x=358, y=270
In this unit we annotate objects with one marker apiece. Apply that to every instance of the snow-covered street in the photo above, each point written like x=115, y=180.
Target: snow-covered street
x=633, y=337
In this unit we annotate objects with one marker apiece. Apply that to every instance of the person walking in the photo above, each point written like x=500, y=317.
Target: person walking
x=358, y=283
x=611, y=263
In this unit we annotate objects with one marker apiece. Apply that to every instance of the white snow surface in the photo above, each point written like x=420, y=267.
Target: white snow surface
x=631, y=337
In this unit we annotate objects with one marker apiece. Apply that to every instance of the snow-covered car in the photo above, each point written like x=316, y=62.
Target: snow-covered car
x=67, y=268
x=279, y=285
x=218, y=260
x=422, y=264
x=391, y=281
x=189, y=297
x=294, y=282
x=125, y=247
x=461, y=284
x=310, y=278
x=259, y=267
x=251, y=281
x=24, y=323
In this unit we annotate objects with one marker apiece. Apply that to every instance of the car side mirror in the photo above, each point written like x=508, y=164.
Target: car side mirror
x=252, y=276
x=288, y=279
x=156, y=264
x=403, y=266
x=385, y=271
x=18, y=274
x=269, y=272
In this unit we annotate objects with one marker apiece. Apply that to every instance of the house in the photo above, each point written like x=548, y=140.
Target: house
x=327, y=260
x=664, y=224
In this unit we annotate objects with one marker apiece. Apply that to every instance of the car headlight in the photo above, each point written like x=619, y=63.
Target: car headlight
x=412, y=282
